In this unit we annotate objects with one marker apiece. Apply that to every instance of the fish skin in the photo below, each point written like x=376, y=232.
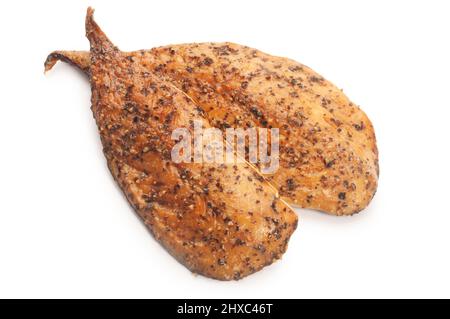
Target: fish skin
x=223, y=221
x=328, y=150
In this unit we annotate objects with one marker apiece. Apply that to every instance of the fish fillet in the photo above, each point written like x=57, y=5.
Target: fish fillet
x=223, y=221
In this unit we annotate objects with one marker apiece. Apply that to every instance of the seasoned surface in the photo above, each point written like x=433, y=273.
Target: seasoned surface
x=329, y=157
x=222, y=221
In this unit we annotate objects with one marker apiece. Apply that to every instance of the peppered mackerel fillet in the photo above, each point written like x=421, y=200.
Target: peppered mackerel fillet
x=328, y=152
x=220, y=220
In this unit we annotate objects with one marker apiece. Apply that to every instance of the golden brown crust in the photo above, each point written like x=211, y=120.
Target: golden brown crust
x=220, y=220
x=329, y=157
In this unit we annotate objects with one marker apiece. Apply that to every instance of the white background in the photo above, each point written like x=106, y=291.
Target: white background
x=67, y=231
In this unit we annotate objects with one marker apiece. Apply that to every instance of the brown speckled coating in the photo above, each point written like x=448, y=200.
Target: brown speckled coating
x=222, y=221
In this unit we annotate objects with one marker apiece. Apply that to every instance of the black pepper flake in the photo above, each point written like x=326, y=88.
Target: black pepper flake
x=159, y=67
x=216, y=211
x=290, y=184
x=342, y=196
x=359, y=127
x=256, y=111
x=208, y=61
x=130, y=107
x=144, y=91
x=221, y=261
x=219, y=187
x=274, y=207
x=329, y=164
x=162, y=102
x=185, y=174
x=315, y=79
x=295, y=68
x=276, y=233
x=148, y=199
